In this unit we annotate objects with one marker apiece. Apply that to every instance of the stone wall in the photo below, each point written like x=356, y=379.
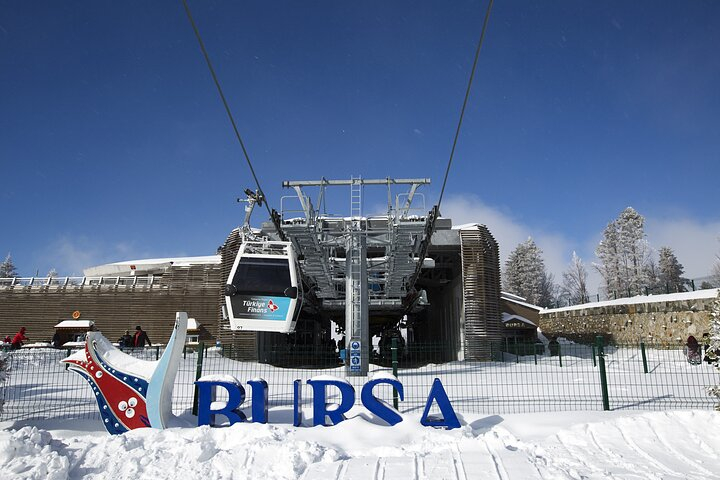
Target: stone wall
x=660, y=321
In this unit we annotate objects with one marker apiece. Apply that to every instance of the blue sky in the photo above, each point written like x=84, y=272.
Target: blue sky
x=114, y=144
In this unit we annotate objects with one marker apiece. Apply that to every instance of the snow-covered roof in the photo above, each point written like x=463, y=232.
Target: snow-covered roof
x=518, y=300
x=669, y=297
x=466, y=226
x=506, y=317
x=125, y=267
x=79, y=324
x=192, y=324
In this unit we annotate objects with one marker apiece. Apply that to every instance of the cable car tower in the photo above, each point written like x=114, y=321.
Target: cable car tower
x=360, y=263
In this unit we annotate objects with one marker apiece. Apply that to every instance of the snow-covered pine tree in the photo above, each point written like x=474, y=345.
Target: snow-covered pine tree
x=575, y=281
x=525, y=275
x=713, y=350
x=7, y=268
x=608, y=253
x=635, y=248
x=623, y=253
x=670, y=270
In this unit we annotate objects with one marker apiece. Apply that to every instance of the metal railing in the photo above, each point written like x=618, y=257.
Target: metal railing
x=562, y=377
x=76, y=281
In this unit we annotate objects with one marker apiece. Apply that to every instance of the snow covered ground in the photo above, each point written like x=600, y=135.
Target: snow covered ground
x=622, y=445
x=625, y=443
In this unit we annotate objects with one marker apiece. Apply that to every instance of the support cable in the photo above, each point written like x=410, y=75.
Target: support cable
x=465, y=101
x=435, y=212
x=229, y=114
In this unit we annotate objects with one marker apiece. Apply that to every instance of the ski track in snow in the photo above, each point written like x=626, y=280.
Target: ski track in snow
x=661, y=445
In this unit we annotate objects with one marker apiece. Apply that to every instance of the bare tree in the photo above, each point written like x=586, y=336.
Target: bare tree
x=575, y=281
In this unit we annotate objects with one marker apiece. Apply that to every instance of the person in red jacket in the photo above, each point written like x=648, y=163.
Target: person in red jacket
x=18, y=339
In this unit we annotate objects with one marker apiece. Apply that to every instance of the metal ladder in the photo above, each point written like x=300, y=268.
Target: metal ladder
x=356, y=196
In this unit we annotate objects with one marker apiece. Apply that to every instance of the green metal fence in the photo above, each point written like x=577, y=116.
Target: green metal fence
x=524, y=379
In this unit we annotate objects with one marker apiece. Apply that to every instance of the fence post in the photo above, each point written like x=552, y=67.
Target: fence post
x=644, y=357
x=593, y=356
x=603, y=377
x=394, y=349
x=198, y=374
x=560, y=354
x=157, y=352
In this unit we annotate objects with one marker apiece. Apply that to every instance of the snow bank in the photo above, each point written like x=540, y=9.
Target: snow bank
x=31, y=453
x=668, y=445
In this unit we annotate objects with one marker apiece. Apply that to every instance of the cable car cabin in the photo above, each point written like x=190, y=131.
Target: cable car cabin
x=264, y=290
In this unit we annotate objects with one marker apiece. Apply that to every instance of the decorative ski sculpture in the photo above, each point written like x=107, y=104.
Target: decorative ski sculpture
x=130, y=393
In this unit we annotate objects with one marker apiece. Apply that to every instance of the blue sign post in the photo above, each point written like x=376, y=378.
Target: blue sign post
x=355, y=356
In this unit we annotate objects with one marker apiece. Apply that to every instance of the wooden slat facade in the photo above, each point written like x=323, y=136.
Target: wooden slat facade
x=481, y=292
x=116, y=308
x=242, y=345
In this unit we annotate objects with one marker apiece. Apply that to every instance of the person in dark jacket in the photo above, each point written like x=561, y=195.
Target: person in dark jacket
x=127, y=339
x=140, y=338
x=18, y=339
x=692, y=350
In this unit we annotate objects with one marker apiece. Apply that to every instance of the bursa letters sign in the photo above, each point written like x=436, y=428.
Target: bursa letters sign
x=133, y=393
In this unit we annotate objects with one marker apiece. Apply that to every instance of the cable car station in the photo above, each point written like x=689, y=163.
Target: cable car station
x=367, y=274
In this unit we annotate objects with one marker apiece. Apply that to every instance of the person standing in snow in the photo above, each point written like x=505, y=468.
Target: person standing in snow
x=140, y=338
x=18, y=339
x=693, y=350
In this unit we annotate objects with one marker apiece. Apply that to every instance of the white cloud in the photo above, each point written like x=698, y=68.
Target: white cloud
x=71, y=255
x=695, y=243
x=509, y=232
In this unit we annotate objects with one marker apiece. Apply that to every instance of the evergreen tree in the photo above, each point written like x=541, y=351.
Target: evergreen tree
x=525, y=275
x=670, y=270
x=608, y=253
x=7, y=268
x=623, y=253
x=575, y=281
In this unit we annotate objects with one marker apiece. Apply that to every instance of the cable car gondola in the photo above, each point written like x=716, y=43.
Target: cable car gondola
x=264, y=291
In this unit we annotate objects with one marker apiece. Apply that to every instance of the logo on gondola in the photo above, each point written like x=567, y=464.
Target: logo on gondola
x=272, y=306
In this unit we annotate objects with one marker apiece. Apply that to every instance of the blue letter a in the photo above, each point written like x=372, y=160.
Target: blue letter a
x=449, y=420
